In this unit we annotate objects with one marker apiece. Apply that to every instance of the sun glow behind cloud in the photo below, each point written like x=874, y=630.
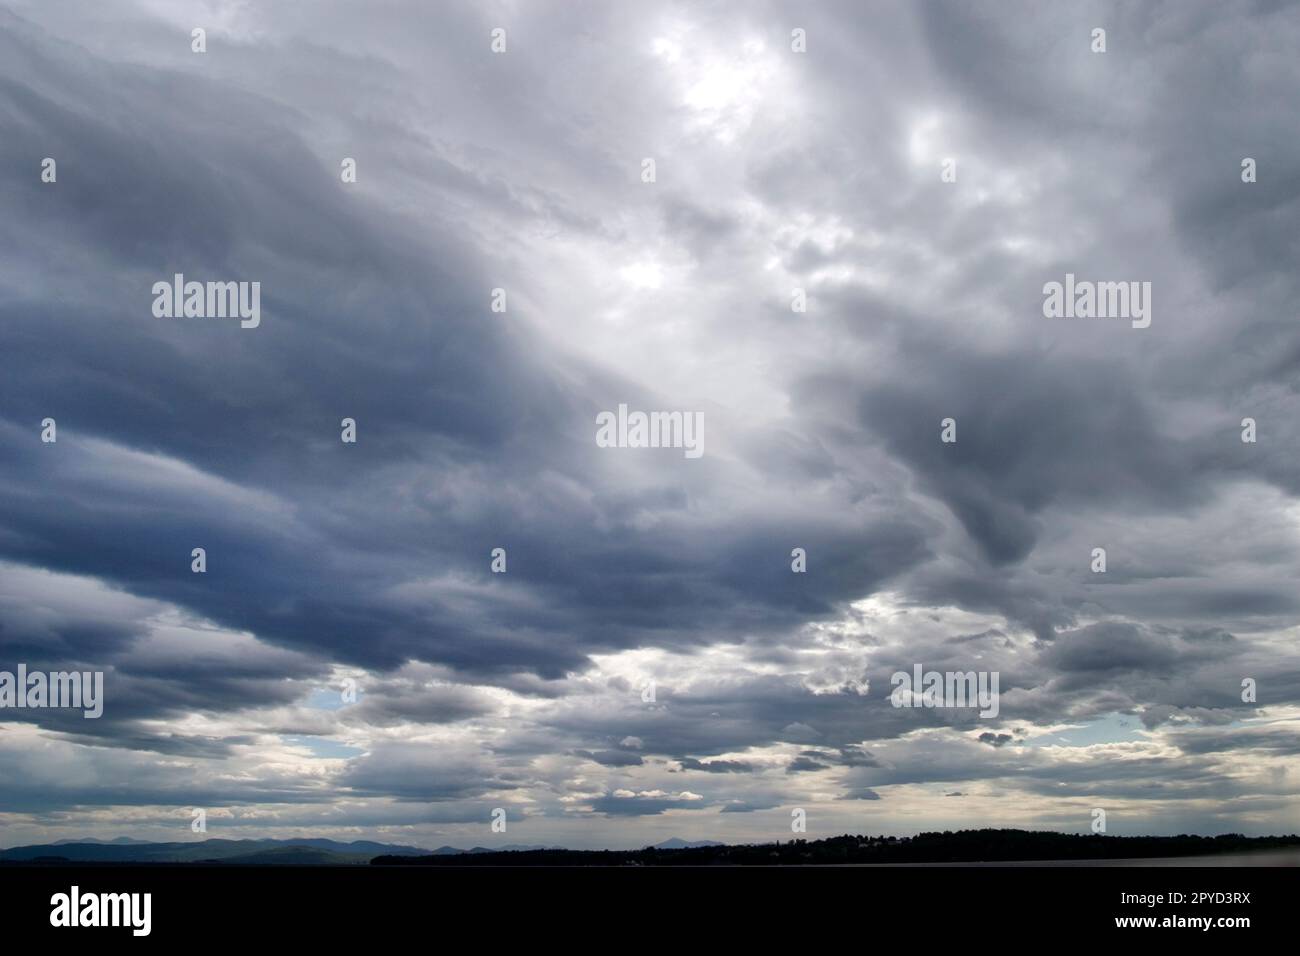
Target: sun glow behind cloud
x=721, y=86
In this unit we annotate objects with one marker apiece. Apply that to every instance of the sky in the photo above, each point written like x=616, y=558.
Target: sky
x=919, y=170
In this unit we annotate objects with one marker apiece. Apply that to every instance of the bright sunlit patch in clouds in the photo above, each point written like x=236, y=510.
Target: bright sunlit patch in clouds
x=643, y=275
x=723, y=87
x=322, y=747
x=669, y=50
x=726, y=84
x=925, y=140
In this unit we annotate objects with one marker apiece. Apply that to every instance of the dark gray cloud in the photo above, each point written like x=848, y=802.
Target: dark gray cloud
x=716, y=766
x=612, y=758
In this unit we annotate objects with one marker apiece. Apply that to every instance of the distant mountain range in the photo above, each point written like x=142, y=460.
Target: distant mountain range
x=313, y=852
x=676, y=843
x=294, y=852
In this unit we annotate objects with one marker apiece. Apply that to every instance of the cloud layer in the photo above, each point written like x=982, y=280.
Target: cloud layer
x=775, y=170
